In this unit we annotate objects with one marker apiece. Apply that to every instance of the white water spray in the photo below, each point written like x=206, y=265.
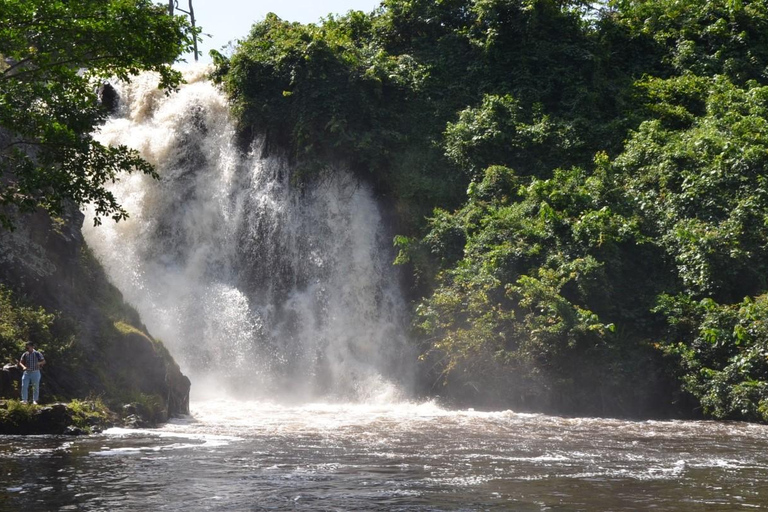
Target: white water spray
x=256, y=287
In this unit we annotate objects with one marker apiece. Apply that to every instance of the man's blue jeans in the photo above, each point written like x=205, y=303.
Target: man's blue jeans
x=30, y=377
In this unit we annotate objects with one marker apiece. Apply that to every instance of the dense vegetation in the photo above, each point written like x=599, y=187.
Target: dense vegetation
x=580, y=190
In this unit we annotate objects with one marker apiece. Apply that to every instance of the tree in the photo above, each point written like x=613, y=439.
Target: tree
x=54, y=55
x=596, y=177
x=717, y=37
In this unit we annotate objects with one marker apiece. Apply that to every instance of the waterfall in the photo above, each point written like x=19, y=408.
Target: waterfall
x=257, y=288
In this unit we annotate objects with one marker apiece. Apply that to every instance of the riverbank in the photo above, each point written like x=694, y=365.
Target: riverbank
x=78, y=417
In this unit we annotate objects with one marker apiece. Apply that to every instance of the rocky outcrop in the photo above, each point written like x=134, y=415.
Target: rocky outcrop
x=53, y=419
x=108, y=97
x=152, y=372
x=46, y=262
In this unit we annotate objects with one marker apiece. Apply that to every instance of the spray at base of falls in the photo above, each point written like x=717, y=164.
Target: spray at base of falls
x=257, y=287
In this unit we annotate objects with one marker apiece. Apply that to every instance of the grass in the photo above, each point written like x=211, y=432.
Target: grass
x=124, y=328
x=17, y=413
x=89, y=413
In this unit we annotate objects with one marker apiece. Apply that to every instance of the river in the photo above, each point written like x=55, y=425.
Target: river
x=231, y=455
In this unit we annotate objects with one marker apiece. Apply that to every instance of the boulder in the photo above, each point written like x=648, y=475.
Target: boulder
x=152, y=373
x=51, y=419
x=9, y=376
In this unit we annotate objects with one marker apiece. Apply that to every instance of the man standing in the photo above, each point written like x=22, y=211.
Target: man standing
x=30, y=362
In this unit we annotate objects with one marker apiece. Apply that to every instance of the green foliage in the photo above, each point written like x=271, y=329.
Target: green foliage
x=700, y=186
x=716, y=37
x=722, y=350
x=500, y=132
x=87, y=414
x=376, y=93
x=149, y=407
x=53, y=335
x=328, y=94
x=552, y=263
x=16, y=413
x=593, y=184
x=20, y=418
x=20, y=324
x=525, y=297
x=53, y=56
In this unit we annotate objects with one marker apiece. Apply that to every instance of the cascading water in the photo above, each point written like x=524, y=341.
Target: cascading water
x=257, y=288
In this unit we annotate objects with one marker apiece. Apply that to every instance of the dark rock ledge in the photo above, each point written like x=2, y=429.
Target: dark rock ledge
x=74, y=418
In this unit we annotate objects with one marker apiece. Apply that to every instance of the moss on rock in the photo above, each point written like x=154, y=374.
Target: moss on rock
x=78, y=417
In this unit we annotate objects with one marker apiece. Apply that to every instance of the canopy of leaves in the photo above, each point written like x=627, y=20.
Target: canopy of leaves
x=696, y=173
x=376, y=92
x=722, y=353
x=54, y=55
x=593, y=184
x=715, y=37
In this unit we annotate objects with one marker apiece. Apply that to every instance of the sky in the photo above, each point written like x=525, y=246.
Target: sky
x=227, y=20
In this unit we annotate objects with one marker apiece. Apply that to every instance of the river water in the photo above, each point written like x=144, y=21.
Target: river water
x=231, y=455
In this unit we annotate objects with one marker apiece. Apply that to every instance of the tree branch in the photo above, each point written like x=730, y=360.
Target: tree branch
x=15, y=65
x=79, y=61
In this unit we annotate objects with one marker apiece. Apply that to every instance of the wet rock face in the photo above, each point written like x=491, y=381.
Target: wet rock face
x=109, y=98
x=178, y=392
x=41, y=252
x=152, y=373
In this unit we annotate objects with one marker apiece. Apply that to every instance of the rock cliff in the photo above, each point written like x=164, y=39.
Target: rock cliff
x=108, y=353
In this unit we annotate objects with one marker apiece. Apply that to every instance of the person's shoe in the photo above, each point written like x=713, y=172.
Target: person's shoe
x=24, y=402
x=34, y=402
